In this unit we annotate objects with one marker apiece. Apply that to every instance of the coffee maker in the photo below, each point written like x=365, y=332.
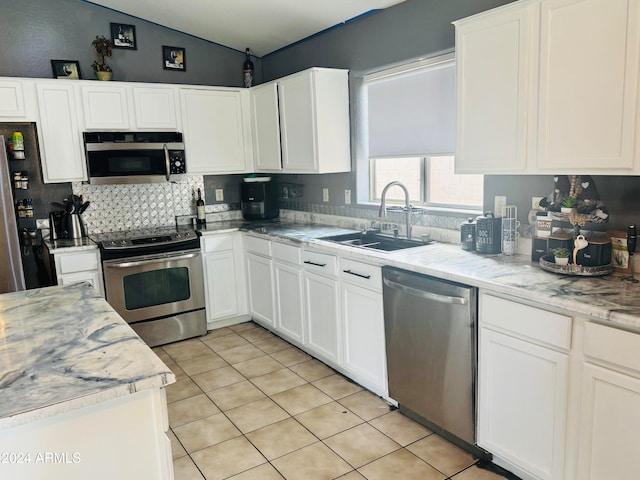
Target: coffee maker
x=259, y=198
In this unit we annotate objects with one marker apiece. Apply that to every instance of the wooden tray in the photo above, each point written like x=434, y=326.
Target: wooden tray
x=547, y=263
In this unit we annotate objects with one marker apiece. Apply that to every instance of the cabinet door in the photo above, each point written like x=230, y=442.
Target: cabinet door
x=493, y=68
x=61, y=156
x=297, y=123
x=364, y=348
x=522, y=403
x=105, y=107
x=94, y=277
x=289, y=301
x=322, y=316
x=220, y=284
x=155, y=108
x=260, y=282
x=589, y=51
x=12, y=105
x=213, y=131
x=610, y=423
x=266, y=127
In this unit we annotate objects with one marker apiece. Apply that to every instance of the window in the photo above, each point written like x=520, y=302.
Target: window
x=430, y=181
x=410, y=125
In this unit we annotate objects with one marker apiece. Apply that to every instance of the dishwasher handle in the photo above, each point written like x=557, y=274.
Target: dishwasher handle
x=436, y=297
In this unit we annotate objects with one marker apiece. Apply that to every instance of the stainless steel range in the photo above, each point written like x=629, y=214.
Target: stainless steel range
x=153, y=278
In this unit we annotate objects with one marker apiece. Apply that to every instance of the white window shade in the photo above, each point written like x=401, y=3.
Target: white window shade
x=412, y=110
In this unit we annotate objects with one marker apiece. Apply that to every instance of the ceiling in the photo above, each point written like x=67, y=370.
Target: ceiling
x=262, y=25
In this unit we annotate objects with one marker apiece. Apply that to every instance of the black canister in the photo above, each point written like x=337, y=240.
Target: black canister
x=488, y=233
x=468, y=235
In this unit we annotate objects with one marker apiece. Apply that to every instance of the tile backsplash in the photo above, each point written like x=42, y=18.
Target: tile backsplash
x=127, y=207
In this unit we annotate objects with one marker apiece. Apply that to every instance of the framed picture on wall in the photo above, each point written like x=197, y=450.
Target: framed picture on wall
x=174, y=58
x=123, y=36
x=69, y=69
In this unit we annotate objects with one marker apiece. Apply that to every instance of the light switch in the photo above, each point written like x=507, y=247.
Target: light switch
x=219, y=194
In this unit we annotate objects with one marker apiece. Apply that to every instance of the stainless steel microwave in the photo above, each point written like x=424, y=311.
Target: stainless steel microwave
x=133, y=157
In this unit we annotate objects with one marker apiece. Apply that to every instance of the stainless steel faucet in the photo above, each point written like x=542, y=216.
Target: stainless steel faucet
x=407, y=208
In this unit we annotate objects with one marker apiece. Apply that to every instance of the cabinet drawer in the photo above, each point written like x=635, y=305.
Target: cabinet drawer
x=257, y=245
x=320, y=263
x=287, y=253
x=77, y=262
x=530, y=322
x=217, y=243
x=612, y=345
x=369, y=276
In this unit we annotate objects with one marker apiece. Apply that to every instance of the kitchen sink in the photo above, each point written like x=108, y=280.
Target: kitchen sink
x=374, y=240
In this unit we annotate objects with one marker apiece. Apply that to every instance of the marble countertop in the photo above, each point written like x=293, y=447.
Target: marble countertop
x=608, y=298
x=64, y=348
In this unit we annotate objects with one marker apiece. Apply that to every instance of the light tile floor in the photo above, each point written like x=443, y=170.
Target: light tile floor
x=249, y=406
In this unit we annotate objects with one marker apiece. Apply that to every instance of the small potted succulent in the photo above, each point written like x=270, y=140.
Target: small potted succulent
x=102, y=47
x=561, y=255
x=568, y=204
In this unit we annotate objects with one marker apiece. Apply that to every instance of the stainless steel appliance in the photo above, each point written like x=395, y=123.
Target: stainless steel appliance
x=259, y=199
x=431, y=343
x=154, y=280
x=12, y=277
x=133, y=157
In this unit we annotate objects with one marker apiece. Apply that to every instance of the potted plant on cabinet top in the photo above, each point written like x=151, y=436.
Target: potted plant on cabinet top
x=103, y=48
x=561, y=255
x=568, y=204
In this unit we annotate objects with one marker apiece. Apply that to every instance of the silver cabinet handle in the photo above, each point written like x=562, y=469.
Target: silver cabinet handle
x=166, y=160
x=367, y=277
x=308, y=262
x=427, y=295
x=150, y=260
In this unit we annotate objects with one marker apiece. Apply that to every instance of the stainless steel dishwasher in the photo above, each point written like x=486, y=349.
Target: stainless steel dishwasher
x=431, y=342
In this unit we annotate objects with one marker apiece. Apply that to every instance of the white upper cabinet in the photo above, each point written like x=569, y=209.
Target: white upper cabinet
x=12, y=101
x=214, y=130
x=155, y=107
x=549, y=86
x=59, y=133
x=266, y=127
x=301, y=123
x=314, y=121
x=105, y=106
x=589, y=54
x=492, y=53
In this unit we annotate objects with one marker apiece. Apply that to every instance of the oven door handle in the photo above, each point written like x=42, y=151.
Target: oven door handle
x=148, y=261
x=167, y=161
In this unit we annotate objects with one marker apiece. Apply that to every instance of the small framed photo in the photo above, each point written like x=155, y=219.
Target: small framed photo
x=123, y=36
x=174, y=58
x=69, y=69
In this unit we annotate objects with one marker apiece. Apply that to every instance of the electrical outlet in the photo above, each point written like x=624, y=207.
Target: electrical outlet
x=535, y=203
x=498, y=205
x=219, y=195
x=347, y=197
x=325, y=194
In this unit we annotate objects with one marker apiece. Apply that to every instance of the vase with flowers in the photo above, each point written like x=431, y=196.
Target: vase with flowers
x=103, y=48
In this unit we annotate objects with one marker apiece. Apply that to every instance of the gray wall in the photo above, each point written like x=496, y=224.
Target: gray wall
x=36, y=31
x=407, y=31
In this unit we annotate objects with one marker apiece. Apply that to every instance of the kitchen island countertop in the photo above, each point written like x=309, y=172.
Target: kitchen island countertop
x=63, y=348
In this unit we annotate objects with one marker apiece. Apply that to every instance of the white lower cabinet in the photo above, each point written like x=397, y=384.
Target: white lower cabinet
x=225, y=297
x=523, y=386
x=321, y=301
x=364, y=356
x=260, y=279
x=610, y=414
x=288, y=291
x=79, y=266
